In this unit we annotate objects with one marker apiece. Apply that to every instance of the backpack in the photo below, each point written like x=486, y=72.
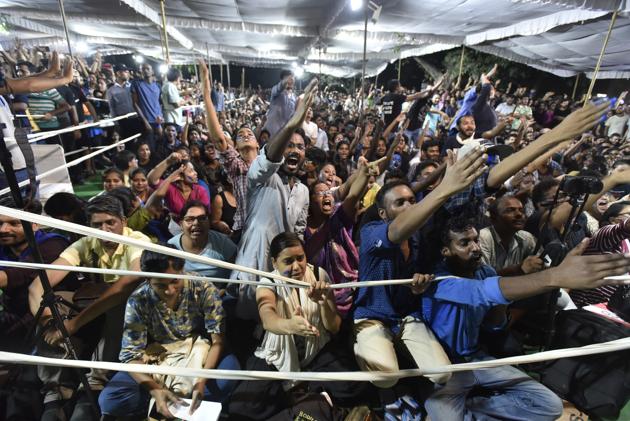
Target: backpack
x=596, y=384
x=311, y=407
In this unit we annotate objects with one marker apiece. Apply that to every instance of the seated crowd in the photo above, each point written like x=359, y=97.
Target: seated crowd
x=460, y=194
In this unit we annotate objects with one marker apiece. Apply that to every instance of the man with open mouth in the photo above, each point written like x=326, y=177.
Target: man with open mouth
x=277, y=200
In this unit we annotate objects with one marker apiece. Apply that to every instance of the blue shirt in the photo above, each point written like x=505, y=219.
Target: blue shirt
x=219, y=247
x=379, y=259
x=148, y=99
x=455, y=308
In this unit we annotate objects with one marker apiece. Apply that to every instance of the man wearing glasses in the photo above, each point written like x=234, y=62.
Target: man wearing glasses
x=197, y=238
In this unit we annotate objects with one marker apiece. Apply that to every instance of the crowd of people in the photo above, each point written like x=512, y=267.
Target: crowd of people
x=462, y=190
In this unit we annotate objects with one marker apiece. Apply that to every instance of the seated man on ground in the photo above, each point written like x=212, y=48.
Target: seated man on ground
x=105, y=213
x=172, y=322
x=384, y=315
x=299, y=328
x=474, y=297
x=197, y=238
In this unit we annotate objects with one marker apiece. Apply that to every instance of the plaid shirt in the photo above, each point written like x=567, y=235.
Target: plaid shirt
x=237, y=170
x=475, y=192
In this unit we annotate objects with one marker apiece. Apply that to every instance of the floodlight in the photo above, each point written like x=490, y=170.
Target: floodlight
x=163, y=68
x=82, y=47
x=356, y=4
x=298, y=72
x=138, y=58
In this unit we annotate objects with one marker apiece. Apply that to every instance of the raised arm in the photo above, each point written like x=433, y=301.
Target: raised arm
x=459, y=175
x=275, y=146
x=575, y=124
x=38, y=83
x=156, y=173
x=212, y=121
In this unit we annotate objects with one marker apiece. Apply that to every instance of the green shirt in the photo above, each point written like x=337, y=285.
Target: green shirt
x=45, y=102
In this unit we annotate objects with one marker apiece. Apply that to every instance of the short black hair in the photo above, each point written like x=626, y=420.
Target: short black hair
x=393, y=84
x=305, y=138
x=540, y=189
x=282, y=241
x=456, y=224
x=493, y=209
x=317, y=156
x=32, y=206
x=105, y=203
x=126, y=197
x=152, y=261
x=380, y=196
x=429, y=144
x=122, y=158
x=459, y=119
x=285, y=73
x=614, y=210
x=422, y=165
x=63, y=203
x=193, y=204
x=173, y=74
x=394, y=173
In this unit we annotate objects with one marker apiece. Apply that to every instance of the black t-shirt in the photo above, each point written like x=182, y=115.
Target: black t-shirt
x=450, y=143
x=416, y=114
x=392, y=106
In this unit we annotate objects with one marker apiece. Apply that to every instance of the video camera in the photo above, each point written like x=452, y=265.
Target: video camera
x=579, y=185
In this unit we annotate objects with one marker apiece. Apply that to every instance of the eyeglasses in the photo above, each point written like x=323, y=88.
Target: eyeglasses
x=324, y=193
x=191, y=219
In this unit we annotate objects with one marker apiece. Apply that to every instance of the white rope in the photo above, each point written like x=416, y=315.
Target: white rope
x=118, y=272
x=72, y=163
x=93, y=98
x=76, y=151
x=612, y=346
x=36, y=137
x=108, y=236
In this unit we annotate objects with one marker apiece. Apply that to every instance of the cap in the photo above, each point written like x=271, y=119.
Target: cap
x=120, y=67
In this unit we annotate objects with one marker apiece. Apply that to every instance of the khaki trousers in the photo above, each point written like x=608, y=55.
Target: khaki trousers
x=374, y=348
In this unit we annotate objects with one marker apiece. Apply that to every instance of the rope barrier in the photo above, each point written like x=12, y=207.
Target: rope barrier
x=362, y=376
x=108, y=236
x=83, y=149
x=72, y=163
x=118, y=272
x=36, y=137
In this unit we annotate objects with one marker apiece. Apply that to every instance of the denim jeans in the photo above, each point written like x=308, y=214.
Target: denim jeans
x=123, y=396
x=506, y=394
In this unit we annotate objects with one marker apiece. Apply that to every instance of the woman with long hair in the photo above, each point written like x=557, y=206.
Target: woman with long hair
x=140, y=185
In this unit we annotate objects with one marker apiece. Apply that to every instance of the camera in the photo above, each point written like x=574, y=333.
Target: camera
x=581, y=185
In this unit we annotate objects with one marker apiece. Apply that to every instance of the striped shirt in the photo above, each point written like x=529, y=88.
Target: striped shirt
x=607, y=240
x=45, y=102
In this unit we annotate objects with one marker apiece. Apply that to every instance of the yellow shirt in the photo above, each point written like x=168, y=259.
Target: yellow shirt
x=89, y=251
x=370, y=196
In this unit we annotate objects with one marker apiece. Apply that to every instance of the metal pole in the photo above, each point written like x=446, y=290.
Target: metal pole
x=575, y=86
x=364, y=57
x=399, y=64
x=65, y=25
x=601, y=57
x=228, y=75
x=168, y=54
x=461, y=67
x=161, y=41
x=221, y=69
x=243, y=80
x=209, y=65
x=196, y=70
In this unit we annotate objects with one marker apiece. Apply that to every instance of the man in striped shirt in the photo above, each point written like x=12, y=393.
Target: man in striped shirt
x=49, y=105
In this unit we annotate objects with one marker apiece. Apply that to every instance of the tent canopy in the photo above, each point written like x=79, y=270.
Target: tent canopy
x=560, y=36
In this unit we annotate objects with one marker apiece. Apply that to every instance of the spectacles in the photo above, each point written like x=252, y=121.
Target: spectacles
x=191, y=219
x=324, y=193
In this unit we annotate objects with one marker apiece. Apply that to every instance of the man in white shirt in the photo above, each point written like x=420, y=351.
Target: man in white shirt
x=322, y=137
x=617, y=123
x=171, y=101
x=310, y=128
x=507, y=107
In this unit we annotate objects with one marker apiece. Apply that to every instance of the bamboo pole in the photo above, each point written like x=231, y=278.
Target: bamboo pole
x=601, y=58
x=461, y=67
x=575, y=86
x=65, y=26
x=168, y=53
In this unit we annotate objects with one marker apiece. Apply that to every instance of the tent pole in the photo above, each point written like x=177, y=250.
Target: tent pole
x=65, y=25
x=221, y=69
x=364, y=58
x=601, y=57
x=196, y=70
x=209, y=65
x=575, y=86
x=399, y=63
x=168, y=54
x=228, y=75
x=161, y=40
x=461, y=67
x=243, y=80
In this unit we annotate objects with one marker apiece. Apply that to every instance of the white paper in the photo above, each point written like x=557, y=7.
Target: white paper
x=207, y=411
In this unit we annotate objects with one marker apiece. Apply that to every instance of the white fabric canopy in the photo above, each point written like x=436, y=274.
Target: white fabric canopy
x=562, y=36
